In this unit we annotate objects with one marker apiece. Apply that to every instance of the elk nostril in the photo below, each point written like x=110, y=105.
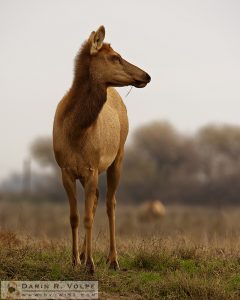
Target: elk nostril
x=148, y=78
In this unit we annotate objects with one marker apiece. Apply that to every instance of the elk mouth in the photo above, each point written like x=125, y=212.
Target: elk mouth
x=139, y=83
x=142, y=82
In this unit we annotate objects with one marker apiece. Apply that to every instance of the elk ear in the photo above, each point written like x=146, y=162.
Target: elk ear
x=96, y=39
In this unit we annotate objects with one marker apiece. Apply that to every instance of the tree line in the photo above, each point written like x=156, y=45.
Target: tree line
x=162, y=163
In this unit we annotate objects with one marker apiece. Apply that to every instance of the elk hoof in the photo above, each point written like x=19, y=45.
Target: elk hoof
x=113, y=264
x=82, y=257
x=89, y=265
x=76, y=261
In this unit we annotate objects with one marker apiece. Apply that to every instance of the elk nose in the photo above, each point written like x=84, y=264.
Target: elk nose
x=148, y=78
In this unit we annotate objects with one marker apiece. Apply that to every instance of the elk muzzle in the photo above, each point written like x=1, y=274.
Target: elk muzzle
x=139, y=77
x=143, y=82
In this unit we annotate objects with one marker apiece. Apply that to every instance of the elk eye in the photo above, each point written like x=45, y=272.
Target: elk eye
x=116, y=58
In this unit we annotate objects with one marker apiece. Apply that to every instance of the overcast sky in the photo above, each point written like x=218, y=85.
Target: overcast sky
x=190, y=48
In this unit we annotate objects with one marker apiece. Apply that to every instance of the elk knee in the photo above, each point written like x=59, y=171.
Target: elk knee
x=88, y=220
x=74, y=220
x=111, y=206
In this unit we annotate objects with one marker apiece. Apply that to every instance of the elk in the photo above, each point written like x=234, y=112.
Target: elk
x=151, y=211
x=89, y=132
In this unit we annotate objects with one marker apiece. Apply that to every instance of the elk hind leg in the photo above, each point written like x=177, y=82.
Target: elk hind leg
x=113, y=177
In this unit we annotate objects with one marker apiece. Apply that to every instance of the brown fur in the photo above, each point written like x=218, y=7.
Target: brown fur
x=89, y=132
x=85, y=100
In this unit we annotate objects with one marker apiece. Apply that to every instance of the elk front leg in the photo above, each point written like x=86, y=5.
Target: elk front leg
x=113, y=177
x=90, y=198
x=69, y=184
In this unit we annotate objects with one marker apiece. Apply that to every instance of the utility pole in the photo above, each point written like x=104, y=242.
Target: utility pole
x=26, y=188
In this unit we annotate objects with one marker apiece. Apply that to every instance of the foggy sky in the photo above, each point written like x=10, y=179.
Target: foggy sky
x=190, y=48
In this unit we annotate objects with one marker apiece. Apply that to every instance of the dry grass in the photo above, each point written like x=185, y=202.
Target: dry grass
x=193, y=253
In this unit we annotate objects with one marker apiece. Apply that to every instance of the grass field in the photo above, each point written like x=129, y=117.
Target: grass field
x=193, y=253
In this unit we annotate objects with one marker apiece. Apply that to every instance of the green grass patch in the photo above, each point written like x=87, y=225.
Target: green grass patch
x=143, y=275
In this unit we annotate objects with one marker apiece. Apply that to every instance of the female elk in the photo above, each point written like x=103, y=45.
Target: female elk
x=89, y=132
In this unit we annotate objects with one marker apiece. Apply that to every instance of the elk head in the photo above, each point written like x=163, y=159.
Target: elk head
x=108, y=67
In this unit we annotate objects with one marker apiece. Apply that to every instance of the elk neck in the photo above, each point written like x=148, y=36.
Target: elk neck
x=86, y=96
